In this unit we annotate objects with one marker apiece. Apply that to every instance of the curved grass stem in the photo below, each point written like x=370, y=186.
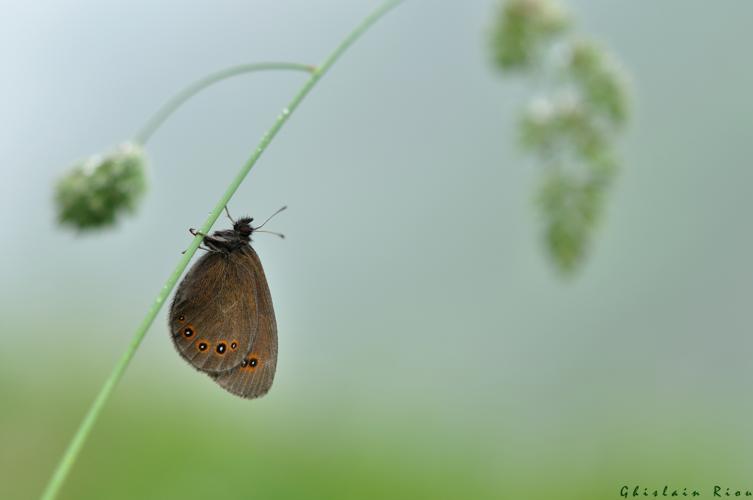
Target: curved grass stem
x=178, y=99
x=71, y=453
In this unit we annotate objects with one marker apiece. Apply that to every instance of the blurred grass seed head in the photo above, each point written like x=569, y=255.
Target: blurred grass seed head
x=570, y=130
x=97, y=191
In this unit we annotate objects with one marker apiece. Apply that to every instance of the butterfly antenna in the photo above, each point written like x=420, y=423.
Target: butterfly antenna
x=269, y=218
x=282, y=236
x=228, y=215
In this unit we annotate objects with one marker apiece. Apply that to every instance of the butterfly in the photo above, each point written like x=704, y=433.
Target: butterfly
x=221, y=319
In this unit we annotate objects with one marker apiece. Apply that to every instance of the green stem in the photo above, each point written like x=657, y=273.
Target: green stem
x=71, y=453
x=176, y=101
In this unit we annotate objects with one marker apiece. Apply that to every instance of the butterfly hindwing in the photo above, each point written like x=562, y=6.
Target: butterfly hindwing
x=254, y=376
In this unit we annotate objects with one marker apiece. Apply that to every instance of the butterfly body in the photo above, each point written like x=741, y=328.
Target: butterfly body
x=221, y=319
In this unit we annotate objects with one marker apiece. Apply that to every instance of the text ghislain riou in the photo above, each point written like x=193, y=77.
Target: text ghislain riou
x=668, y=491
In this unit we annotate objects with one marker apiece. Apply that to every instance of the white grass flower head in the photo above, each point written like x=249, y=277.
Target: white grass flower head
x=98, y=190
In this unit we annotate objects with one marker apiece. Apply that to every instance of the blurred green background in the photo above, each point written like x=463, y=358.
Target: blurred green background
x=427, y=347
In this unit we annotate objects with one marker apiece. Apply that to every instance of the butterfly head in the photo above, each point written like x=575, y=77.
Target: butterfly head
x=243, y=228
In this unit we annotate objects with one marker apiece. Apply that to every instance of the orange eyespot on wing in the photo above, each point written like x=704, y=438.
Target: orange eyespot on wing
x=250, y=363
x=187, y=331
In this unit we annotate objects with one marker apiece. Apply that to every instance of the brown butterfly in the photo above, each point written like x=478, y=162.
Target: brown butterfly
x=221, y=319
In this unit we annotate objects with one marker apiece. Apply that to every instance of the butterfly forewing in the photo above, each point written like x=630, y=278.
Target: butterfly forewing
x=214, y=316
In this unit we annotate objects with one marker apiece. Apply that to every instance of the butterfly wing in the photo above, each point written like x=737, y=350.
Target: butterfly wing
x=254, y=376
x=214, y=316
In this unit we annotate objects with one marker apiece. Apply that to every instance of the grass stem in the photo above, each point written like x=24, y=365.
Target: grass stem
x=178, y=99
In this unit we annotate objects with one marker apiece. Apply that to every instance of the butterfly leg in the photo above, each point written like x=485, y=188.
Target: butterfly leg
x=228, y=215
x=197, y=233
x=200, y=248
